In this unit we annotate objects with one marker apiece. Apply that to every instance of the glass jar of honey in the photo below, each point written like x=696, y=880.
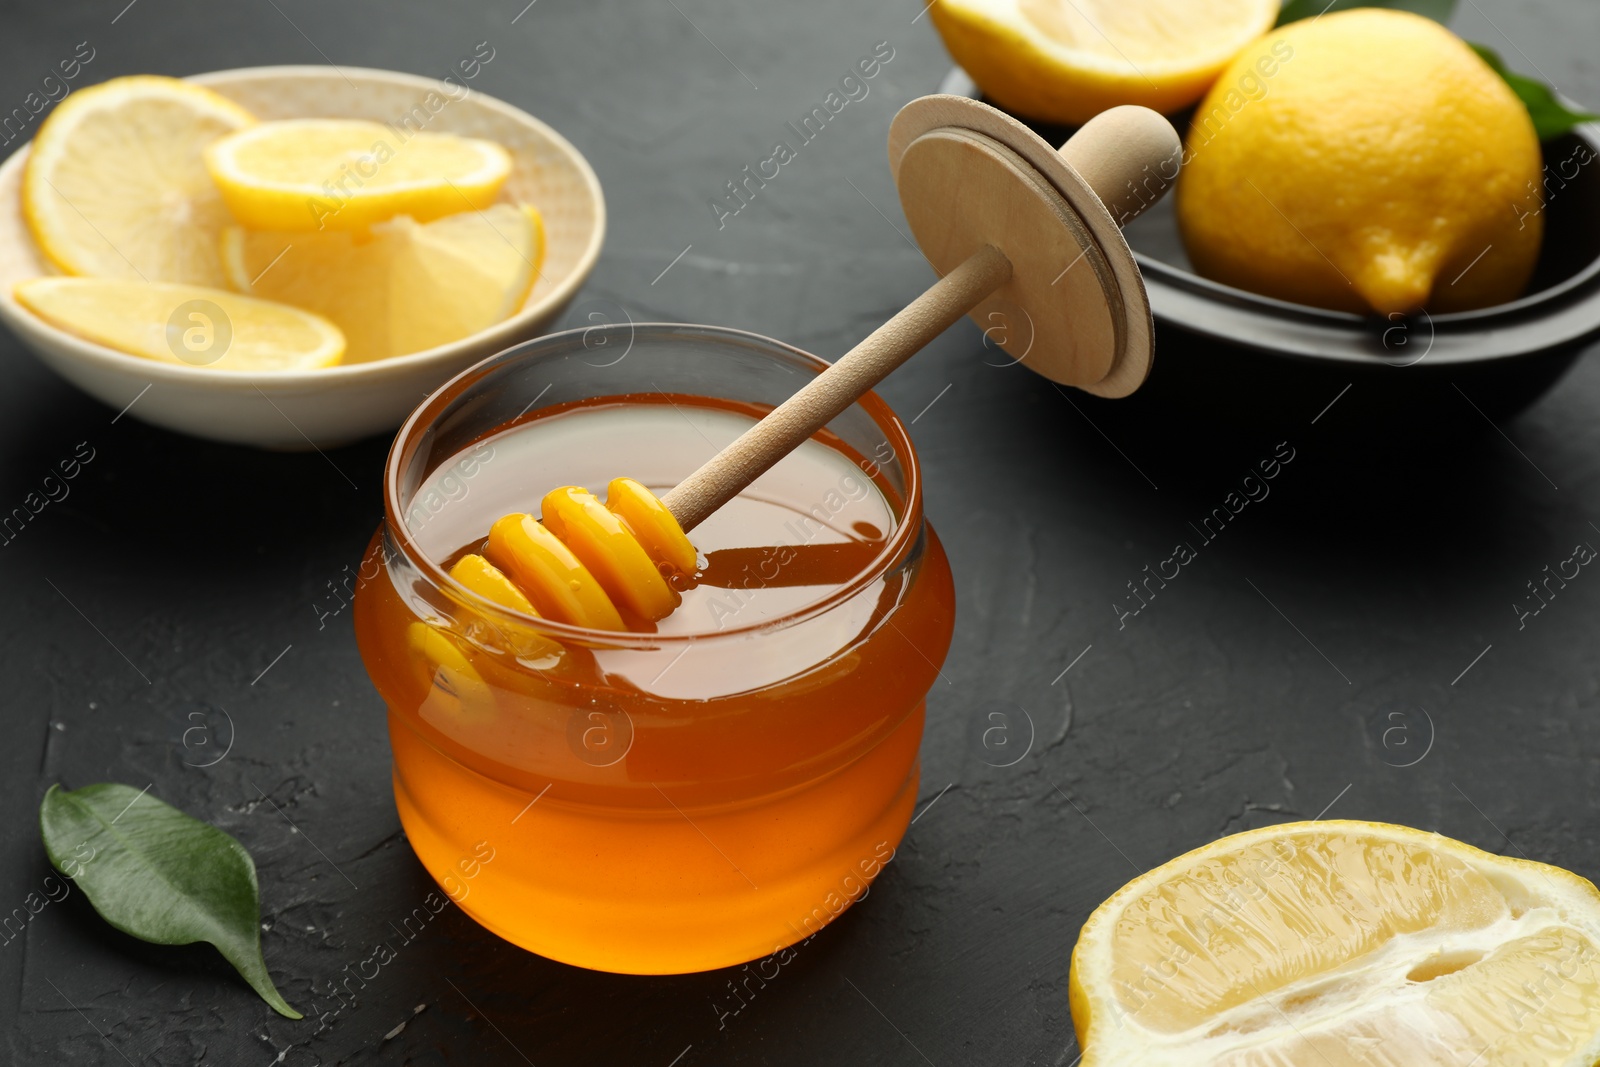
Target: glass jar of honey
x=691, y=793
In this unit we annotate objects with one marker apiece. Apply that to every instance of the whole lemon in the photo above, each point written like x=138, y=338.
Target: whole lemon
x=1364, y=161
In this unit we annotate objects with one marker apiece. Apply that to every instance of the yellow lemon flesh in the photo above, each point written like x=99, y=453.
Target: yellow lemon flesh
x=401, y=286
x=1341, y=944
x=346, y=174
x=116, y=186
x=1068, y=60
x=1365, y=161
x=210, y=328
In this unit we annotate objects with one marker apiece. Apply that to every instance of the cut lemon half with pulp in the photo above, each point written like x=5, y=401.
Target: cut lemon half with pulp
x=346, y=174
x=202, y=327
x=1068, y=60
x=402, y=286
x=1333, y=944
x=116, y=186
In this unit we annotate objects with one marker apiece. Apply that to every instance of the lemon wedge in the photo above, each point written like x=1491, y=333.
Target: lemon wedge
x=1341, y=944
x=401, y=286
x=1068, y=60
x=185, y=323
x=346, y=174
x=116, y=186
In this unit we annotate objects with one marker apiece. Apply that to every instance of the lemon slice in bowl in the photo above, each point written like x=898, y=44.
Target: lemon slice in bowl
x=116, y=186
x=175, y=323
x=1068, y=60
x=1341, y=944
x=402, y=286
x=346, y=174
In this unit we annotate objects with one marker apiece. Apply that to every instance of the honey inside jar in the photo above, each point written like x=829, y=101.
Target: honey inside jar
x=695, y=792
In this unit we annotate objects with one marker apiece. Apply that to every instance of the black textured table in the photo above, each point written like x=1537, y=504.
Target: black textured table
x=1346, y=645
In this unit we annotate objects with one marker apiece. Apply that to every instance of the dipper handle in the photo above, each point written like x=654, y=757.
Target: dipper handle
x=1122, y=154
x=825, y=396
x=1128, y=155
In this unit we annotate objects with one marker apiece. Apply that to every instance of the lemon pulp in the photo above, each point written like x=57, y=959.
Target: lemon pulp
x=1342, y=944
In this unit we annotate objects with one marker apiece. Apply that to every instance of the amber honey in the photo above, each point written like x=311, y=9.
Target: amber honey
x=699, y=792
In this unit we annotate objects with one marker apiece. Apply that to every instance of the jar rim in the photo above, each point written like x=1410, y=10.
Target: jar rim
x=412, y=433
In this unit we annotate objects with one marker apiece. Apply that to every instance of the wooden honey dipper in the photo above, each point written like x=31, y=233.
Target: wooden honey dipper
x=1008, y=221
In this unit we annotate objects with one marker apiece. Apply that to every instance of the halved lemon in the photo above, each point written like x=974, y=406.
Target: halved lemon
x=402, y=286
x=1336, y=944
x=190, y=324
x=1068, y=60
x=116, y=186
x=346, y=174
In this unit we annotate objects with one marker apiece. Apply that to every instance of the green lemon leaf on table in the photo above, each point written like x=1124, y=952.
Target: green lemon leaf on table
x=1295, y=10
x=1551, y=117
x=160, y=875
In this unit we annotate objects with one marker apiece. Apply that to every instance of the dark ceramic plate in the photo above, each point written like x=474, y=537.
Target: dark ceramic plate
x=1224, y=345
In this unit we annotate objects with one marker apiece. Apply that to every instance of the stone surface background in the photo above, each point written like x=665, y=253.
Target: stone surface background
x=1266, y=683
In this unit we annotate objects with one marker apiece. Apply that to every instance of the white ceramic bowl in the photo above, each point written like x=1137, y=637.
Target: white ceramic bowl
x=338, y=404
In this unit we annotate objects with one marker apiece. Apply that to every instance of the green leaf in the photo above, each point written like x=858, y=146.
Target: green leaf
x=1295, y=10
x=1551, y=118
x=155, y=873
